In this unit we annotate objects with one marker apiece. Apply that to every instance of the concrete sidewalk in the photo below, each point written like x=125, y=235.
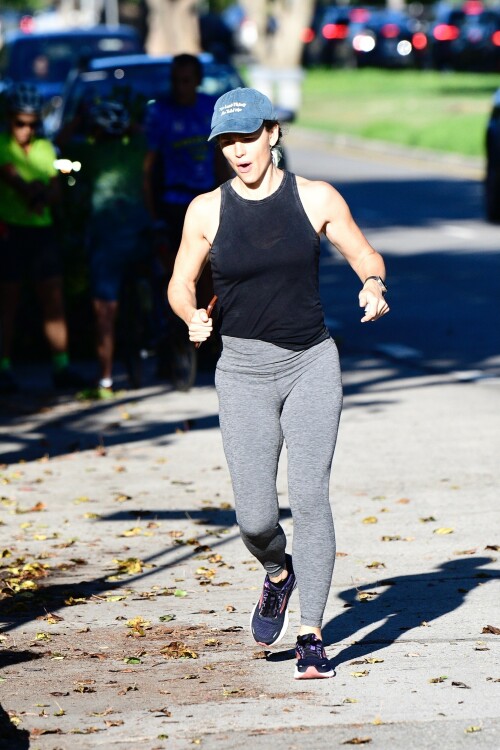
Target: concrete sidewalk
x=127, y=591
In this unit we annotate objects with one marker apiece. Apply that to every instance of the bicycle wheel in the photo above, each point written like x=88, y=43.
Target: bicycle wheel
x=183, y=364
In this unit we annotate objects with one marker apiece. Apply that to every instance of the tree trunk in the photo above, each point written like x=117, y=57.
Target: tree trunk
x=280, y=24
x=277, y=72
x=173, y=27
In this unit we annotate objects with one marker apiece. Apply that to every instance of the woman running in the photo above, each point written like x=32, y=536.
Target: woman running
x=278, y=377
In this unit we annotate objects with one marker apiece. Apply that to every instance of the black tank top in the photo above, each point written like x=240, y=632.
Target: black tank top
x=265, y=261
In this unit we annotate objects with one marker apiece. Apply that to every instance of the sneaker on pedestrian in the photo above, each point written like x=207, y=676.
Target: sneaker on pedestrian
x=8, y=383
x=312, y=662
x=269, y=619
x=67, y=377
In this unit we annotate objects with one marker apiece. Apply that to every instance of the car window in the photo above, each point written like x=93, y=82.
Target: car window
x=135, y=86
x=50, y=59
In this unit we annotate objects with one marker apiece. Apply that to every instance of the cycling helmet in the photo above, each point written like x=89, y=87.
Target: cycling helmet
x=24, y=97
x=111, y=116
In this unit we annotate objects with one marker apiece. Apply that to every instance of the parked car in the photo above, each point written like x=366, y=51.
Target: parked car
x=45, y=58
x=469, y=41
x=444, y=32
x=326, y=40
x=133, y=80
x=492, y=178
x=390, y=39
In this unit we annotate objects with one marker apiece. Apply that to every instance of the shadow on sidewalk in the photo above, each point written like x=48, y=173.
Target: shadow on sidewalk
x=23, y=607
x=12, y=738
x=406, y=603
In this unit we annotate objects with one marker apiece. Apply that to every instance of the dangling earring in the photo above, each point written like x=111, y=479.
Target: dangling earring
x=275, y=155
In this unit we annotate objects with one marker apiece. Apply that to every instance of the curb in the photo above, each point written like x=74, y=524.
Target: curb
x=470, y=166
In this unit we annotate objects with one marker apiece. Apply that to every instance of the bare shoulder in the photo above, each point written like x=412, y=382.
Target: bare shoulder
x=320, y=200
x=205, y=203
x=203, y=213
x=317, y=190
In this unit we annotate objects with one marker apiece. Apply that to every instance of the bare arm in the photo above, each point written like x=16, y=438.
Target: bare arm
x=189, y=263
x=330, y=213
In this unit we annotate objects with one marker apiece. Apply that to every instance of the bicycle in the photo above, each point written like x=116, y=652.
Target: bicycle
x=148, y=328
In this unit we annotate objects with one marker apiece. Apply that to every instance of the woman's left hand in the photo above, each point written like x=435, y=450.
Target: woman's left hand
x=374, y=304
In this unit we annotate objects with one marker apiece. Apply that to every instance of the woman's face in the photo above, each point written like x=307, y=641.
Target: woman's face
x=249, y=154
x=23, y=127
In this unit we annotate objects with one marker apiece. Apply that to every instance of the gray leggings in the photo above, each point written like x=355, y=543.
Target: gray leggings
x=266, y=395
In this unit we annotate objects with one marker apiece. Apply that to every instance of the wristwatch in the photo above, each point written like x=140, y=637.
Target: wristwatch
x=379, y=281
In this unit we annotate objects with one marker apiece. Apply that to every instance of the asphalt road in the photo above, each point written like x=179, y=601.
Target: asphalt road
x=443, y=259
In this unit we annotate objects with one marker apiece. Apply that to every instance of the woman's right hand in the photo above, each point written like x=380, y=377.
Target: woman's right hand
x=200, y=326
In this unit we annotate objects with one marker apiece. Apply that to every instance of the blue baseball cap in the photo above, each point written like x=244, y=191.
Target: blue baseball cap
x=241, y=111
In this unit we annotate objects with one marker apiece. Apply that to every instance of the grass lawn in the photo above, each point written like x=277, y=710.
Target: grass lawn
x=429, y=109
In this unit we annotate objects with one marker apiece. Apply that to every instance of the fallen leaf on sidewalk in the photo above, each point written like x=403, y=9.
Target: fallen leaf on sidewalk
x=442, y=678
x=35, y=509
x=357, y=741
x=72, y=601
x=471, y=729
x=138, y=625
x=131, y=566
x=364, y=596
x=491, y=629
x=494, y=547
x=461, y=685
x=364, y=673
x=376, y=564
x=394, y=538
x=259, y=655
x=178, y=650
x=370, y=519
x=37, y=732
x=443, y=530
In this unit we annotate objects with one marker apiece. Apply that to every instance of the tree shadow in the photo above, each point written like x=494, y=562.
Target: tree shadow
x=25, y=606
x=63, y=433
x=404, y=604
x=12, y=738
x=9, y=657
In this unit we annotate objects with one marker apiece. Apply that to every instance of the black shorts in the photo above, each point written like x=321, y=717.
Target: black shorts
x=29, y=251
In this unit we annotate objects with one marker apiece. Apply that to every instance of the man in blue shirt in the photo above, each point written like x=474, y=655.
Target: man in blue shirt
x=180, y=163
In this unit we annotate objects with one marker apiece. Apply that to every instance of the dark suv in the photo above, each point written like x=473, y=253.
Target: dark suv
x=45, y=58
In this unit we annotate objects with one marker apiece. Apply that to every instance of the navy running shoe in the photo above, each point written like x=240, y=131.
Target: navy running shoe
x=269, y=619
x=312, y=663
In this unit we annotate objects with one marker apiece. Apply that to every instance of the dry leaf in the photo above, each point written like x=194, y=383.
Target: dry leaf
x=358, y=741
x=370, y=519
x=434, y=680
x=491, y=629
x=443, y=530
x=471, y=729
x=364, y=673
x=178, y=650
x=376, y=564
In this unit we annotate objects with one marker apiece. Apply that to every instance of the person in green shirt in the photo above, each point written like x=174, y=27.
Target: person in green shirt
x=116, y=218
x=28, y=243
